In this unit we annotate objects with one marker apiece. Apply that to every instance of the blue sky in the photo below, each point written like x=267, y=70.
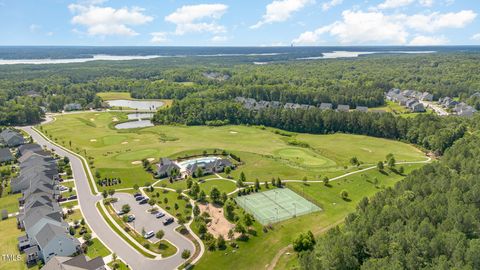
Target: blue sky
x=239, y=22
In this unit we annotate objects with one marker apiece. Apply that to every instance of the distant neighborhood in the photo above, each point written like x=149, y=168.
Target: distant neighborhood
x=415, y=101
x=252, y=104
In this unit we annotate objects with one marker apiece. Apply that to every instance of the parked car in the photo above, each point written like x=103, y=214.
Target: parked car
x=144, y=201
x=61, y=199
x=149, y=234
x=137, y=194
x=120, y=212
x=83, y=230
x=168, y=221
x=139, y=198
x=160, y=215
x=131, y=218
x=73, y=197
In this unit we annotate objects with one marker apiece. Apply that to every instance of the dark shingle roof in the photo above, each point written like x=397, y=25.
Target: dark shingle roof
x=5, y=155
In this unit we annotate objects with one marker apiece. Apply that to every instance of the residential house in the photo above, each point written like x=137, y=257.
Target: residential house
x=55, y=240
x=417, y=107
x=361, y=109
x=410, y=102
x=343, y=108
x=79, y=262
x=464, y=110
x=5, y=155
x=326, y=106
x=72, y=107
x=33, y=147
x=426, y=96
x=166, y=167
x=11, y=138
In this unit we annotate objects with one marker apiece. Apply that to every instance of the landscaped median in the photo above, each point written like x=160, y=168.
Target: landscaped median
x=134, y=239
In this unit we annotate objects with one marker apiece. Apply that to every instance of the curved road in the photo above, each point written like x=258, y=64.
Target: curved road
x=94, y=219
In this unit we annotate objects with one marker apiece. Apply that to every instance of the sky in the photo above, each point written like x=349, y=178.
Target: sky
x=239, y=22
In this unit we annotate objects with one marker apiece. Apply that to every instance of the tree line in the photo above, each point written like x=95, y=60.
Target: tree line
x=430, y=220
x=428, y=131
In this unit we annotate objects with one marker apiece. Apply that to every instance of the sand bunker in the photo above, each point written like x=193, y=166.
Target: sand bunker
x=366, y=149
x=136, y=162
x=233, y=132
x=97, y=114
x=93, y=140
x=91, y=119
x=114, y=119
x=151, y=159
x=218, y=225
x=136, y=140
x=124, y=142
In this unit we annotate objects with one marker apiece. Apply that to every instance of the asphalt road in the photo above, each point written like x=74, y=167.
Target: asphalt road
x=147, y=221
x=87, y=202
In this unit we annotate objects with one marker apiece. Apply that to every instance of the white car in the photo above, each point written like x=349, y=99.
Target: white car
x=149, y=234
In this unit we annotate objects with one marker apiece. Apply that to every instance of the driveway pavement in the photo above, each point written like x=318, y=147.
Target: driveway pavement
x=147, y=221
x=87, y=202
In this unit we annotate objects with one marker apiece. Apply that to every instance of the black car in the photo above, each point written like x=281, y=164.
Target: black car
x=144, y=201
x=139, y=198
x=168, y=221
x=138, y=194
x=73, y=197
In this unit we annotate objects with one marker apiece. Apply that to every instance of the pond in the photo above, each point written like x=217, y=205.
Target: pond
x=140, y=116
x=147, y=105
x=134, y=124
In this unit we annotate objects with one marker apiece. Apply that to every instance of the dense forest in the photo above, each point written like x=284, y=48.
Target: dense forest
x=429, y=131
x=431, y=220
x=359, y=81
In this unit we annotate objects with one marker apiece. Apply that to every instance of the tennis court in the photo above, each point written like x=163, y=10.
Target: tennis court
x=276, y=205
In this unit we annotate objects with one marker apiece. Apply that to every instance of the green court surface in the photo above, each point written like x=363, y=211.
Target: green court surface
x=276, y=205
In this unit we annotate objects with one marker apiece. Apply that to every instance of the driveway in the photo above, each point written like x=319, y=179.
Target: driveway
x=87, y=202
x=147, y=221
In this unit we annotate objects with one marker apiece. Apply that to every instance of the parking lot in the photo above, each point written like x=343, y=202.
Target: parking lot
x=148, y=222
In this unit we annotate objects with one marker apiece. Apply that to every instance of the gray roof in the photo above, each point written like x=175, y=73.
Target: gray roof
x=29, y=147
x=32, y=217
x=79, y=262
x=11, y=137
x=49, y=232
x=5, y=155
x=343, y=108
x=361, y=109
x=166, y=166
x=326, y=106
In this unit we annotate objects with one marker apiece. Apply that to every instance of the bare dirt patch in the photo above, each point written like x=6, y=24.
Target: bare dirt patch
x=218, y=225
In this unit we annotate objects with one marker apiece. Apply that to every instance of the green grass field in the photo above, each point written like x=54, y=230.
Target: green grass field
x=10, y=202
x=264, y=153
x=259, y=250
x=96, y=248
x=8, y=245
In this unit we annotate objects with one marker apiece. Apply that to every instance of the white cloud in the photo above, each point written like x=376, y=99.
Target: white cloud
x=219, y=39
x=104, y=21
x=426, y=3
x=358, y=27
x=435, y=21
x=198, y=18
x=281, y=10
x=328, y=5
x=158, y=37
x=34, y=27
x=395, y=4
x=476, y=37
x=49, y=34
x=374, y=27
x=311, y=37
x=428, y=41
